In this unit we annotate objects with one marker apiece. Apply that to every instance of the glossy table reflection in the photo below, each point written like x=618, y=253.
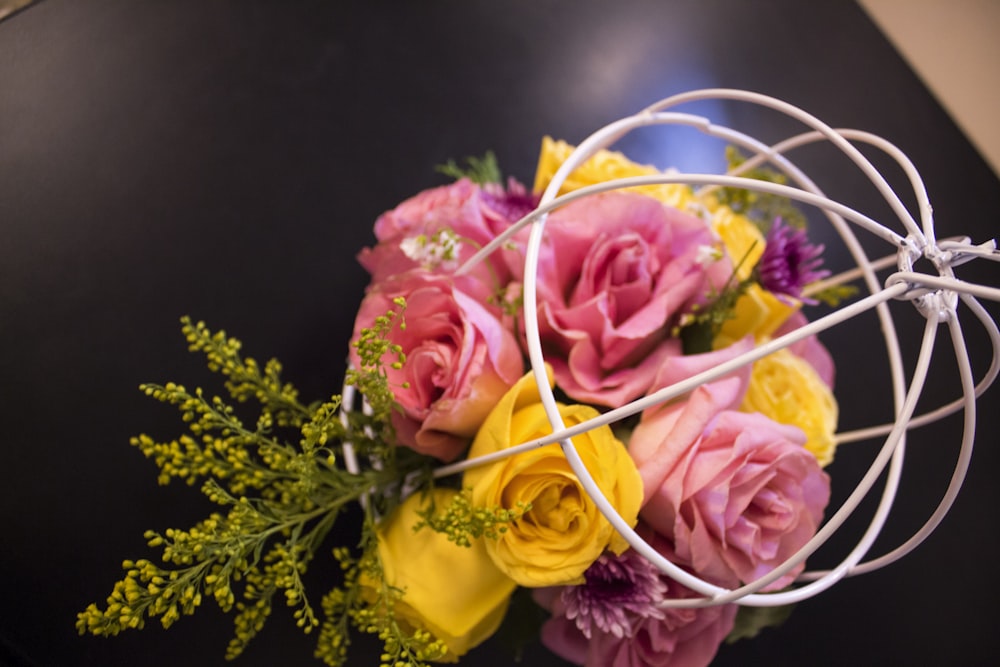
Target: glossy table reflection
x=227, y=159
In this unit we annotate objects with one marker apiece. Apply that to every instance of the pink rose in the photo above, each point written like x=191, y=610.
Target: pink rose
x=682, y=637
x=733, y=494
x=440, y=228
x=460, y=360
x=615, y=274
x=680, y=368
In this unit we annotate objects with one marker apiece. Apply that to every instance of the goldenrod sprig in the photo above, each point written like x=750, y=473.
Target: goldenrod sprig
x=367, y=601
x=323, y=426
x=283, y=569
x=463, y=522
x=211, y=557
x=224, y=448
x=260, y=545
x=245, y=379
x=373, y=346
x=334, y=632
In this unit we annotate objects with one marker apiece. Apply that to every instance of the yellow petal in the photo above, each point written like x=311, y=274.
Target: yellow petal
x=604, y=166
x=788, y=389
x=563, y=533
x=454, y=592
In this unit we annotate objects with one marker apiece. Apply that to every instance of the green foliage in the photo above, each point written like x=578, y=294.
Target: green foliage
x=835, y=294
x=244, y=378
x=371, y=378
x=368, y=603
x=462, y=522
x=750, y=621
x=510, y=300
x=279, y=484
x=760, y=207
x=698, y=329
x=479, y=170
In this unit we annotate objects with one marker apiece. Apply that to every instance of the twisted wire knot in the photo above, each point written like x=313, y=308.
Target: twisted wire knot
x=936, y=296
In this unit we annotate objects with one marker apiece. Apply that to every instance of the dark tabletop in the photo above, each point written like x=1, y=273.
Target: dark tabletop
x=225, y=159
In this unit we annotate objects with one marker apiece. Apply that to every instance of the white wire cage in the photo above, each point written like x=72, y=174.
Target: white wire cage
x=936, y=296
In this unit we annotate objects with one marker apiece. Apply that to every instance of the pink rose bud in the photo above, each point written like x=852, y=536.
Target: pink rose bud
x=437, y=229
x=460, y=360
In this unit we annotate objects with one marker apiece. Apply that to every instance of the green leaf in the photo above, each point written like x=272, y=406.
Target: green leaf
x=751, y=620
x=760, y=207
x=481, y=170
x=835, y=294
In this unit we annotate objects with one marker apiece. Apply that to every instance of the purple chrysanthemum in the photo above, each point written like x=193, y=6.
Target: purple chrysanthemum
x=511, y=203
x=619, y=591
x=789, y=262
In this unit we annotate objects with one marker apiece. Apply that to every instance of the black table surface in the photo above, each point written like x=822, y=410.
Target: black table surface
x=225, y=159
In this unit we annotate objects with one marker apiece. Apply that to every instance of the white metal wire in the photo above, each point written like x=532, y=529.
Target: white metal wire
x=935, y=296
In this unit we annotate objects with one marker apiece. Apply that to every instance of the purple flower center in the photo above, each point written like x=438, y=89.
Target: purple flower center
x=789, y=262
x=618, y=592
x=511, y=203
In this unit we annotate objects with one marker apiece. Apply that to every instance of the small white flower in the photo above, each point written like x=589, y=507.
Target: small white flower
x=707, y=254
x=696, y=208
x=415, y=247
x=438, y=250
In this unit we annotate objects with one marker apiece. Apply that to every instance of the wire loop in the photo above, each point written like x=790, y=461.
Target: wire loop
x=936, y=297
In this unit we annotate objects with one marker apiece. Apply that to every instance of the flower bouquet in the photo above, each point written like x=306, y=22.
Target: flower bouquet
x=598, y=403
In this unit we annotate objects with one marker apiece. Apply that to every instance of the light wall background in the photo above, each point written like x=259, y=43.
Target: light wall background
x=954, y=46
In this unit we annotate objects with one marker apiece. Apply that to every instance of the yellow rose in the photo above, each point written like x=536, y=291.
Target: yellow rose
x=455, y=593
x=563, y=533
x=741, y=238
x=757, y=311
x=788, y=389
x=604, y=166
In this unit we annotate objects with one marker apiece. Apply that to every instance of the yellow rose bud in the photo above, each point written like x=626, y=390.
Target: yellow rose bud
x=742, y=239
x=563, y=533
x=788, y=389
x=757, y=311
x=455, y=593
x=604, y=166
